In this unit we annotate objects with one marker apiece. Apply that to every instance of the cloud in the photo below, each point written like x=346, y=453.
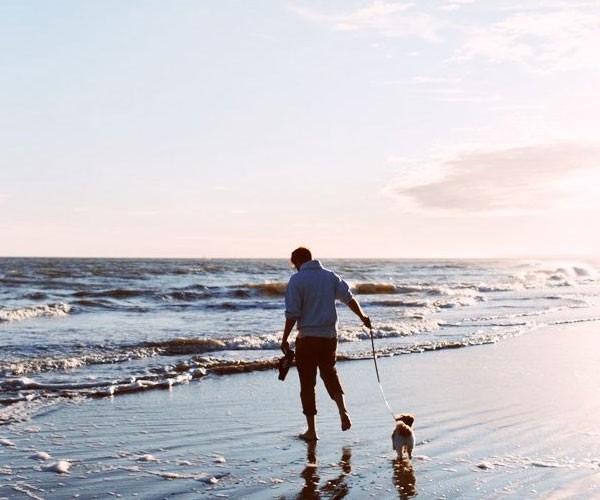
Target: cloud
x=391, y=19
x=541, y=36
x=442, y=89
x=454, y=5
x=553, y=39
x=511, y=181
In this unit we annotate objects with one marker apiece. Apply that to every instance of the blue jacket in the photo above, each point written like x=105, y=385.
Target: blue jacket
x=310, y=299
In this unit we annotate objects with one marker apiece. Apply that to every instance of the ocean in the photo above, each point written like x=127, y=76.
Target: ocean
x=89, y=328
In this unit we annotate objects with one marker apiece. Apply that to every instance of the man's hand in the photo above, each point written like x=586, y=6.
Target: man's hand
x=285, y=346
x=366, y=321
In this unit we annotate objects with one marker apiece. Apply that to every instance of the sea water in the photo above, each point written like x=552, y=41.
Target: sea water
x=102, y=327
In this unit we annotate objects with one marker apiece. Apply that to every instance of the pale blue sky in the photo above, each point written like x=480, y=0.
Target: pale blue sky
x=359, y=128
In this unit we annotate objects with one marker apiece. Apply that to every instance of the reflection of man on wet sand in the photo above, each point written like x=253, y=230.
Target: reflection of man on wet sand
x=334, y=488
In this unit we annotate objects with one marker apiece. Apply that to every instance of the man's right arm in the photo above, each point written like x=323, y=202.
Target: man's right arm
x=292, y=313
x=287, y=329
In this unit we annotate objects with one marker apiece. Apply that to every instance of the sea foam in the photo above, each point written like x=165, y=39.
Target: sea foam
x=56, y=310
x=60, y=467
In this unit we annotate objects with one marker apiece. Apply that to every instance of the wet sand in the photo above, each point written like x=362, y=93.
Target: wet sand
x=518, y=419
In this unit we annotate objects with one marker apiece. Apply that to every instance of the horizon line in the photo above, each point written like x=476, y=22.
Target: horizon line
x=205, y=257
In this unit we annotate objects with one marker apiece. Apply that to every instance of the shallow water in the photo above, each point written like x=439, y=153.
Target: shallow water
x=491, y=422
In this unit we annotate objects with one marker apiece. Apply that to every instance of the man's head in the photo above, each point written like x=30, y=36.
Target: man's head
x=300, y=256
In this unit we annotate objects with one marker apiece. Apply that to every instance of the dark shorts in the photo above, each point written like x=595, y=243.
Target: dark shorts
x=313, y=353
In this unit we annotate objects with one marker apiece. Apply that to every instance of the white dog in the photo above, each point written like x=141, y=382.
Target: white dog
x=403, y=438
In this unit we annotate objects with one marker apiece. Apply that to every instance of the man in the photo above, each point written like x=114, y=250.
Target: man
x=310, y=302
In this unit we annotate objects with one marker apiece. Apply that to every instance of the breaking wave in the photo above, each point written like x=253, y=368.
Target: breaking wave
x=56, y=310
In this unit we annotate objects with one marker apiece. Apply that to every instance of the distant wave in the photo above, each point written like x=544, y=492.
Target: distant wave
x=431, y=290
x=275, y=289
x=191, y=293
x=177, y=346
x=375, y=288
x=548, y=273
x=393, y=289
x=50, y=310
x=117, y=293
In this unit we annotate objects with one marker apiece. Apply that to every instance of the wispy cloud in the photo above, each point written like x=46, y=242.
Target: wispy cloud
x=454, y=5
x=504, y=182
x=442, y=89
x=542, y=36
x=552, y=38
x=391, y=19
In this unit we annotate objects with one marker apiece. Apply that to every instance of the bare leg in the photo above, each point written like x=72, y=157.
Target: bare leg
x=311, y=432
x=344, y=417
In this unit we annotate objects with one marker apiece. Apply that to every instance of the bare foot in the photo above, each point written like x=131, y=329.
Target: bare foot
x=346, y=422
x=309, y=436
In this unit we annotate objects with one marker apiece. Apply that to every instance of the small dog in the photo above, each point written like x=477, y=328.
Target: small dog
x=403, y=438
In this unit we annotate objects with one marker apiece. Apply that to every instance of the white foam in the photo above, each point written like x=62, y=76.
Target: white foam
x=7, y=442
x=28, y=490
x=267, y=341
x=147, y=458
x=548, y=462
x=56, y=310
x=545, y=464
x=171, y=475
x=41, y=455
x=557, y=274
x=24, y=410
x=60, y=467
x=390, y=330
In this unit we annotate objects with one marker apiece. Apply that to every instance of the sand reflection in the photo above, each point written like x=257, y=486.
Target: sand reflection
x=332, y=488
x=404, y=478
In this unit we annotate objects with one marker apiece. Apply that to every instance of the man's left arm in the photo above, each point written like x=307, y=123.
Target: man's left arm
x=343, y=294
x=356, y=309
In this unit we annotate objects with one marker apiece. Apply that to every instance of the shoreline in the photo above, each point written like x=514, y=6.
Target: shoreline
x=510, y=420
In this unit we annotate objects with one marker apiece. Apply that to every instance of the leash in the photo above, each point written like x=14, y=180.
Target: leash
x=378, y=378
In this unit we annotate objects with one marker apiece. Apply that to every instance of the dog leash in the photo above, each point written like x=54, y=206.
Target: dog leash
x=378, y=378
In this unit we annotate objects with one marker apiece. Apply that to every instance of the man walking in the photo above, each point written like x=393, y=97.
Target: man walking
x=310, y=302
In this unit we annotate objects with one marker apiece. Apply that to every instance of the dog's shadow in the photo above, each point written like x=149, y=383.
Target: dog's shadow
x=333, y=488
x=404, y=478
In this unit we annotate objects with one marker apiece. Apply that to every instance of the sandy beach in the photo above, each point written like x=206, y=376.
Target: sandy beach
x=518, y=419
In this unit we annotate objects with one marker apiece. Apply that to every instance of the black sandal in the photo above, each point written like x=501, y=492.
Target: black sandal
x=284, y=364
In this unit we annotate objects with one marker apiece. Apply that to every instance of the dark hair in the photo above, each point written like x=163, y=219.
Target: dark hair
x=301, y=255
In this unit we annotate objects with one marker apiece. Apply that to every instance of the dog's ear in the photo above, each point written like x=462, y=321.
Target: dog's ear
x=408, y=420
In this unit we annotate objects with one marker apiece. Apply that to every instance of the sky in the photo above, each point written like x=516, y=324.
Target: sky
x=222, y=128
